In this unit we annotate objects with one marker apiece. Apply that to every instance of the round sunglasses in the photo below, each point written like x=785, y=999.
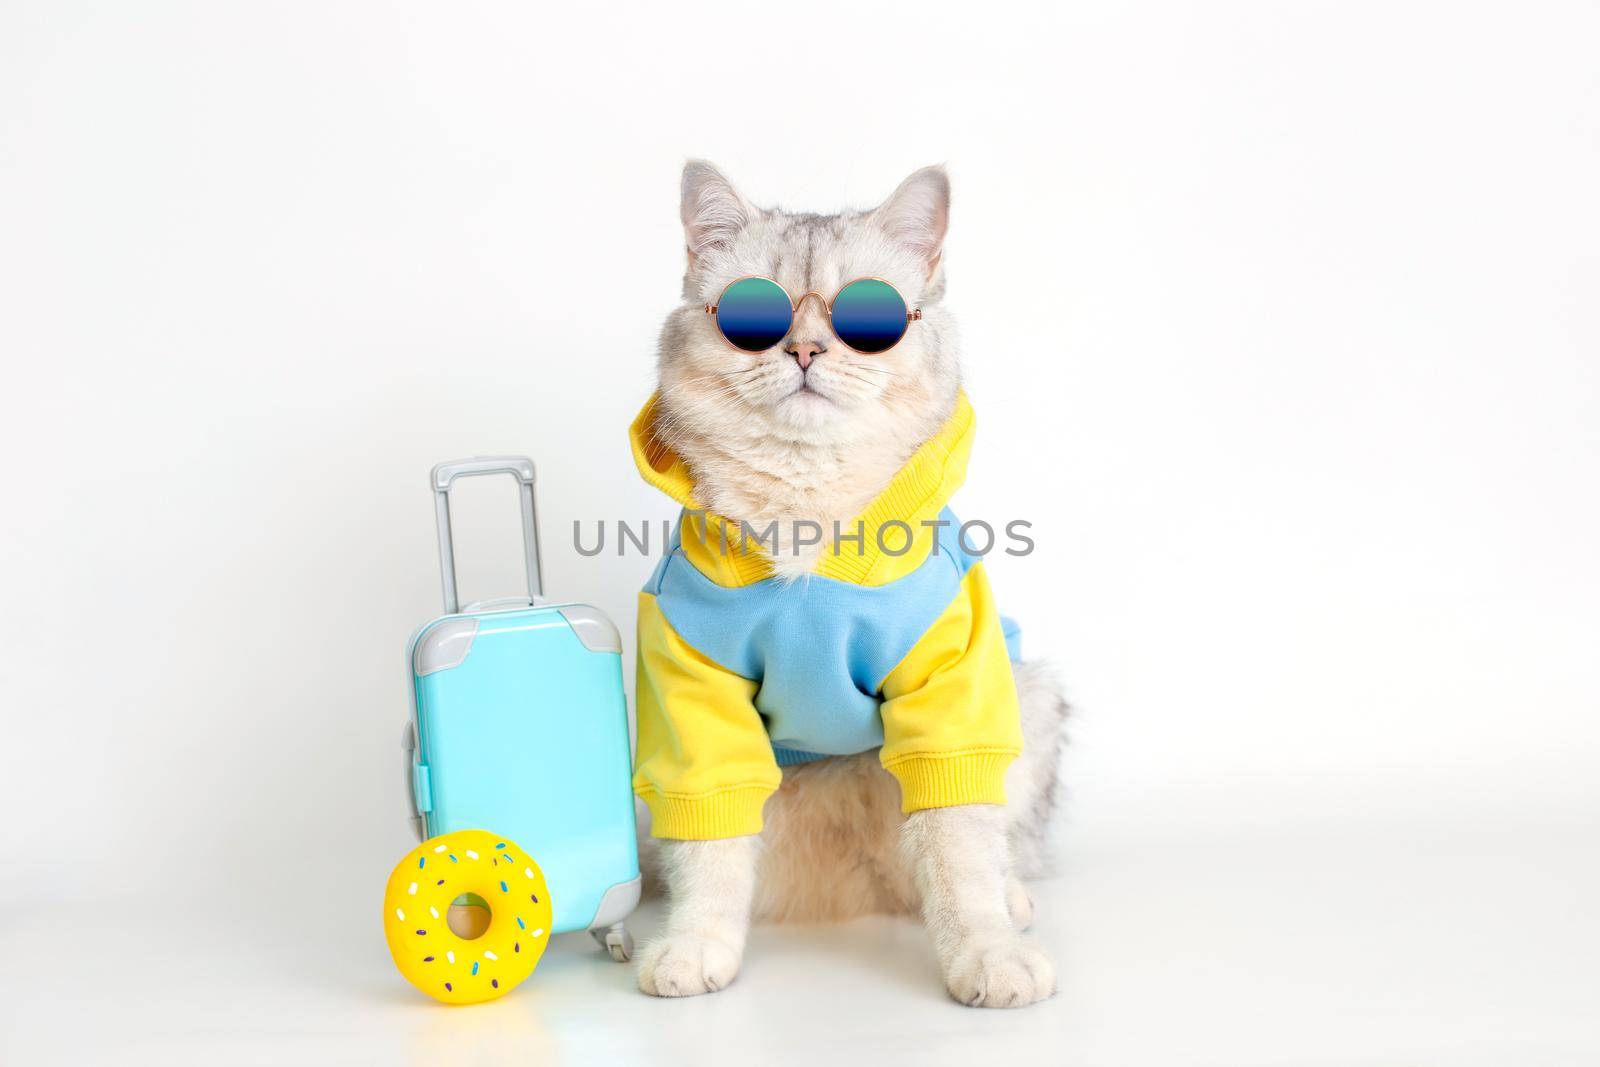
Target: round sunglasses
x=867, y=315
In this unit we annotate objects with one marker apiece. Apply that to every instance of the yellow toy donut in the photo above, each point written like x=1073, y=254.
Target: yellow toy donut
x=434, y=875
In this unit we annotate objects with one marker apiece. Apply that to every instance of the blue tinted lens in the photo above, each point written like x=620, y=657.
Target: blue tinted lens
x=869, y=316
x=754, y=314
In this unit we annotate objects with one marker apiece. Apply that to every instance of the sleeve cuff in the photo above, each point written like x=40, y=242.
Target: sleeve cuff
x=944, y=780
x=732, y=812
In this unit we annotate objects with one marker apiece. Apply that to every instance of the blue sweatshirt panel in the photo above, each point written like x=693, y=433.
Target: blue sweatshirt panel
x=819, y=649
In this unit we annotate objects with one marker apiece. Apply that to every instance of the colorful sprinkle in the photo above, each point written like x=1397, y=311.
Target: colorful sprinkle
x=447, y=987
x=474, y=966
x=433, y=911
x=439, y=882
x=516, y=946
x=528, y=871
x=422, y=861
x=534, y=897
x=503, y=888
x=489, y=955
x=471, y=855
x=539, y=932
x=502, y=844
x=520, y=924
x=453, y=858
x=422, y=933
x=398, y=914
x=413, y=890
x=427, y=959
x=450, y=956
x=495, y=982
x=440, y=848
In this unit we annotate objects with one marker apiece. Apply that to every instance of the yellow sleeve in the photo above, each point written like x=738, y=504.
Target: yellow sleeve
x=705, y=766
x=951, y=725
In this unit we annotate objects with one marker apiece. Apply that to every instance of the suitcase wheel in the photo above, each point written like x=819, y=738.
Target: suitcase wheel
x=616, y=940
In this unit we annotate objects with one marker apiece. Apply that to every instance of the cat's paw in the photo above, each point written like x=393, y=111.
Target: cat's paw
x=686, y=965
x=1000, y=973
x=1019, y=902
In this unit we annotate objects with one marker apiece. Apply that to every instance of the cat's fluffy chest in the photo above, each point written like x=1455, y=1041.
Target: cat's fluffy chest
x=797, y=494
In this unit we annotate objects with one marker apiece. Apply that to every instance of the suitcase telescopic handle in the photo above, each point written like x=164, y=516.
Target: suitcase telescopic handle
x=444, y=475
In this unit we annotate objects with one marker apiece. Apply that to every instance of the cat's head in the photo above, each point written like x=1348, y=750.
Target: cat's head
x=809, y=388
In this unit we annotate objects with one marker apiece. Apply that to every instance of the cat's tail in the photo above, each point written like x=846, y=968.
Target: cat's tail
x=1033, y=780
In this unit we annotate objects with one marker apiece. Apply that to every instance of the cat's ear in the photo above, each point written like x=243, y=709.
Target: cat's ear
x=918, y=213
x=712, y=209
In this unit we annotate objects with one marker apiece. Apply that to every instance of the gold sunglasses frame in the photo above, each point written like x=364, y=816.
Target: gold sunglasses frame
x=912, y=315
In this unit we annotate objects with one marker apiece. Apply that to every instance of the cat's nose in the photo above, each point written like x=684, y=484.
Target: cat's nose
x=805, y=351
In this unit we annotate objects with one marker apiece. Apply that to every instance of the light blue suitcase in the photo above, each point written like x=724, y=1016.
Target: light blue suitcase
x=520, y=727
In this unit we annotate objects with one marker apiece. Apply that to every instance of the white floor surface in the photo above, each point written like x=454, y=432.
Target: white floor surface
x=1366, y=945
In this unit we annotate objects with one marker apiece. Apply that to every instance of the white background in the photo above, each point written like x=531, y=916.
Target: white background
x=1281, y=325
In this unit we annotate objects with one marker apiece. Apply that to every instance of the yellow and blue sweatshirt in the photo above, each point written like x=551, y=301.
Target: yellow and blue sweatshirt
x=742, y=673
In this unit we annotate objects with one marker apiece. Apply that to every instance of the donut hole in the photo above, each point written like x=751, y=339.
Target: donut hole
x=469, y=916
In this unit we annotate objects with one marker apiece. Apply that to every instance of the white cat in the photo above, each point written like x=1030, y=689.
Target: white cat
x=835, y=844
